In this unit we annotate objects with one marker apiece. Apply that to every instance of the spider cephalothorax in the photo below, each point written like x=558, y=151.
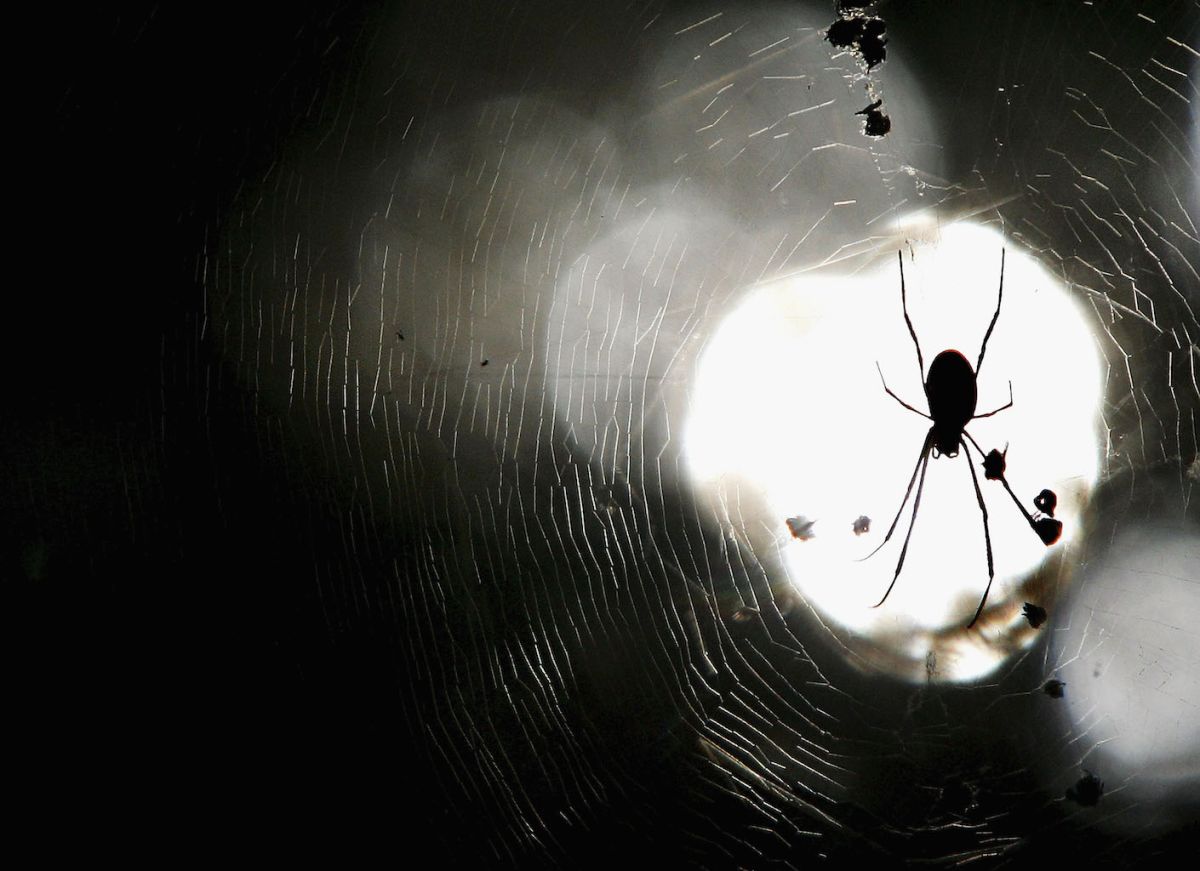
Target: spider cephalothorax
x=951, y=392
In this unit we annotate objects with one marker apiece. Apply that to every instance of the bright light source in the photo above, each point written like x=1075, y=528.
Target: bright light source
x=789, y=418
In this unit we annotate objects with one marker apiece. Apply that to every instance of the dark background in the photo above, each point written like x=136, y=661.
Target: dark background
x=178, y=691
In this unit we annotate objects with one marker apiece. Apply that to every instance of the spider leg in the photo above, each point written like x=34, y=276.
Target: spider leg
x=992, y=325
x=920, y=458
x=982, y=452
x=907, y=538
x=1001, y=408
x=904, y=304
x=897, y=398
x=987, y=536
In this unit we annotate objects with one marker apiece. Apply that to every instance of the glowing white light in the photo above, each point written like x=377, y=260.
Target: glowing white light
x=788, y=414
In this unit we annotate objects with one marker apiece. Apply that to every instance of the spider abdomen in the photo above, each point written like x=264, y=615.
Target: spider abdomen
x=950, y=389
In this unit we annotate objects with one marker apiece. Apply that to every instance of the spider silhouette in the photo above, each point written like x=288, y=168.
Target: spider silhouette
x=951, y=392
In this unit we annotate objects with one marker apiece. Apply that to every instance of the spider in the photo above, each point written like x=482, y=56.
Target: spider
x=951, y=392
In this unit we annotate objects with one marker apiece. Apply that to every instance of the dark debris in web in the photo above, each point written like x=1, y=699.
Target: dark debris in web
x=861, y=32
x=1087, y=791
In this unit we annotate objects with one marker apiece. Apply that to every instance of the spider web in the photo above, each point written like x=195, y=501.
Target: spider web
x=450, y=329
x=473, y=293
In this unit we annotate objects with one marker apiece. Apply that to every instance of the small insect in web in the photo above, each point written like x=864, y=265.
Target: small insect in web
x=801, y=527
x=1054, y=688
x=1035, y=614
x=951, y=391
x=1087, y=791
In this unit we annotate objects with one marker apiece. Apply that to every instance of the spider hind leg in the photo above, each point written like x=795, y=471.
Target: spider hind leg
x=987, y=535
x=907, y=493
x=923, y=465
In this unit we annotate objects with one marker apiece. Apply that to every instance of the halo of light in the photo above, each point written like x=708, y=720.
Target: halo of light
x=788, y=414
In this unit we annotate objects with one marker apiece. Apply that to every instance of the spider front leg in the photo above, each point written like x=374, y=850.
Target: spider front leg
x=995, y=317
x=898, y=399
x=907, y=320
